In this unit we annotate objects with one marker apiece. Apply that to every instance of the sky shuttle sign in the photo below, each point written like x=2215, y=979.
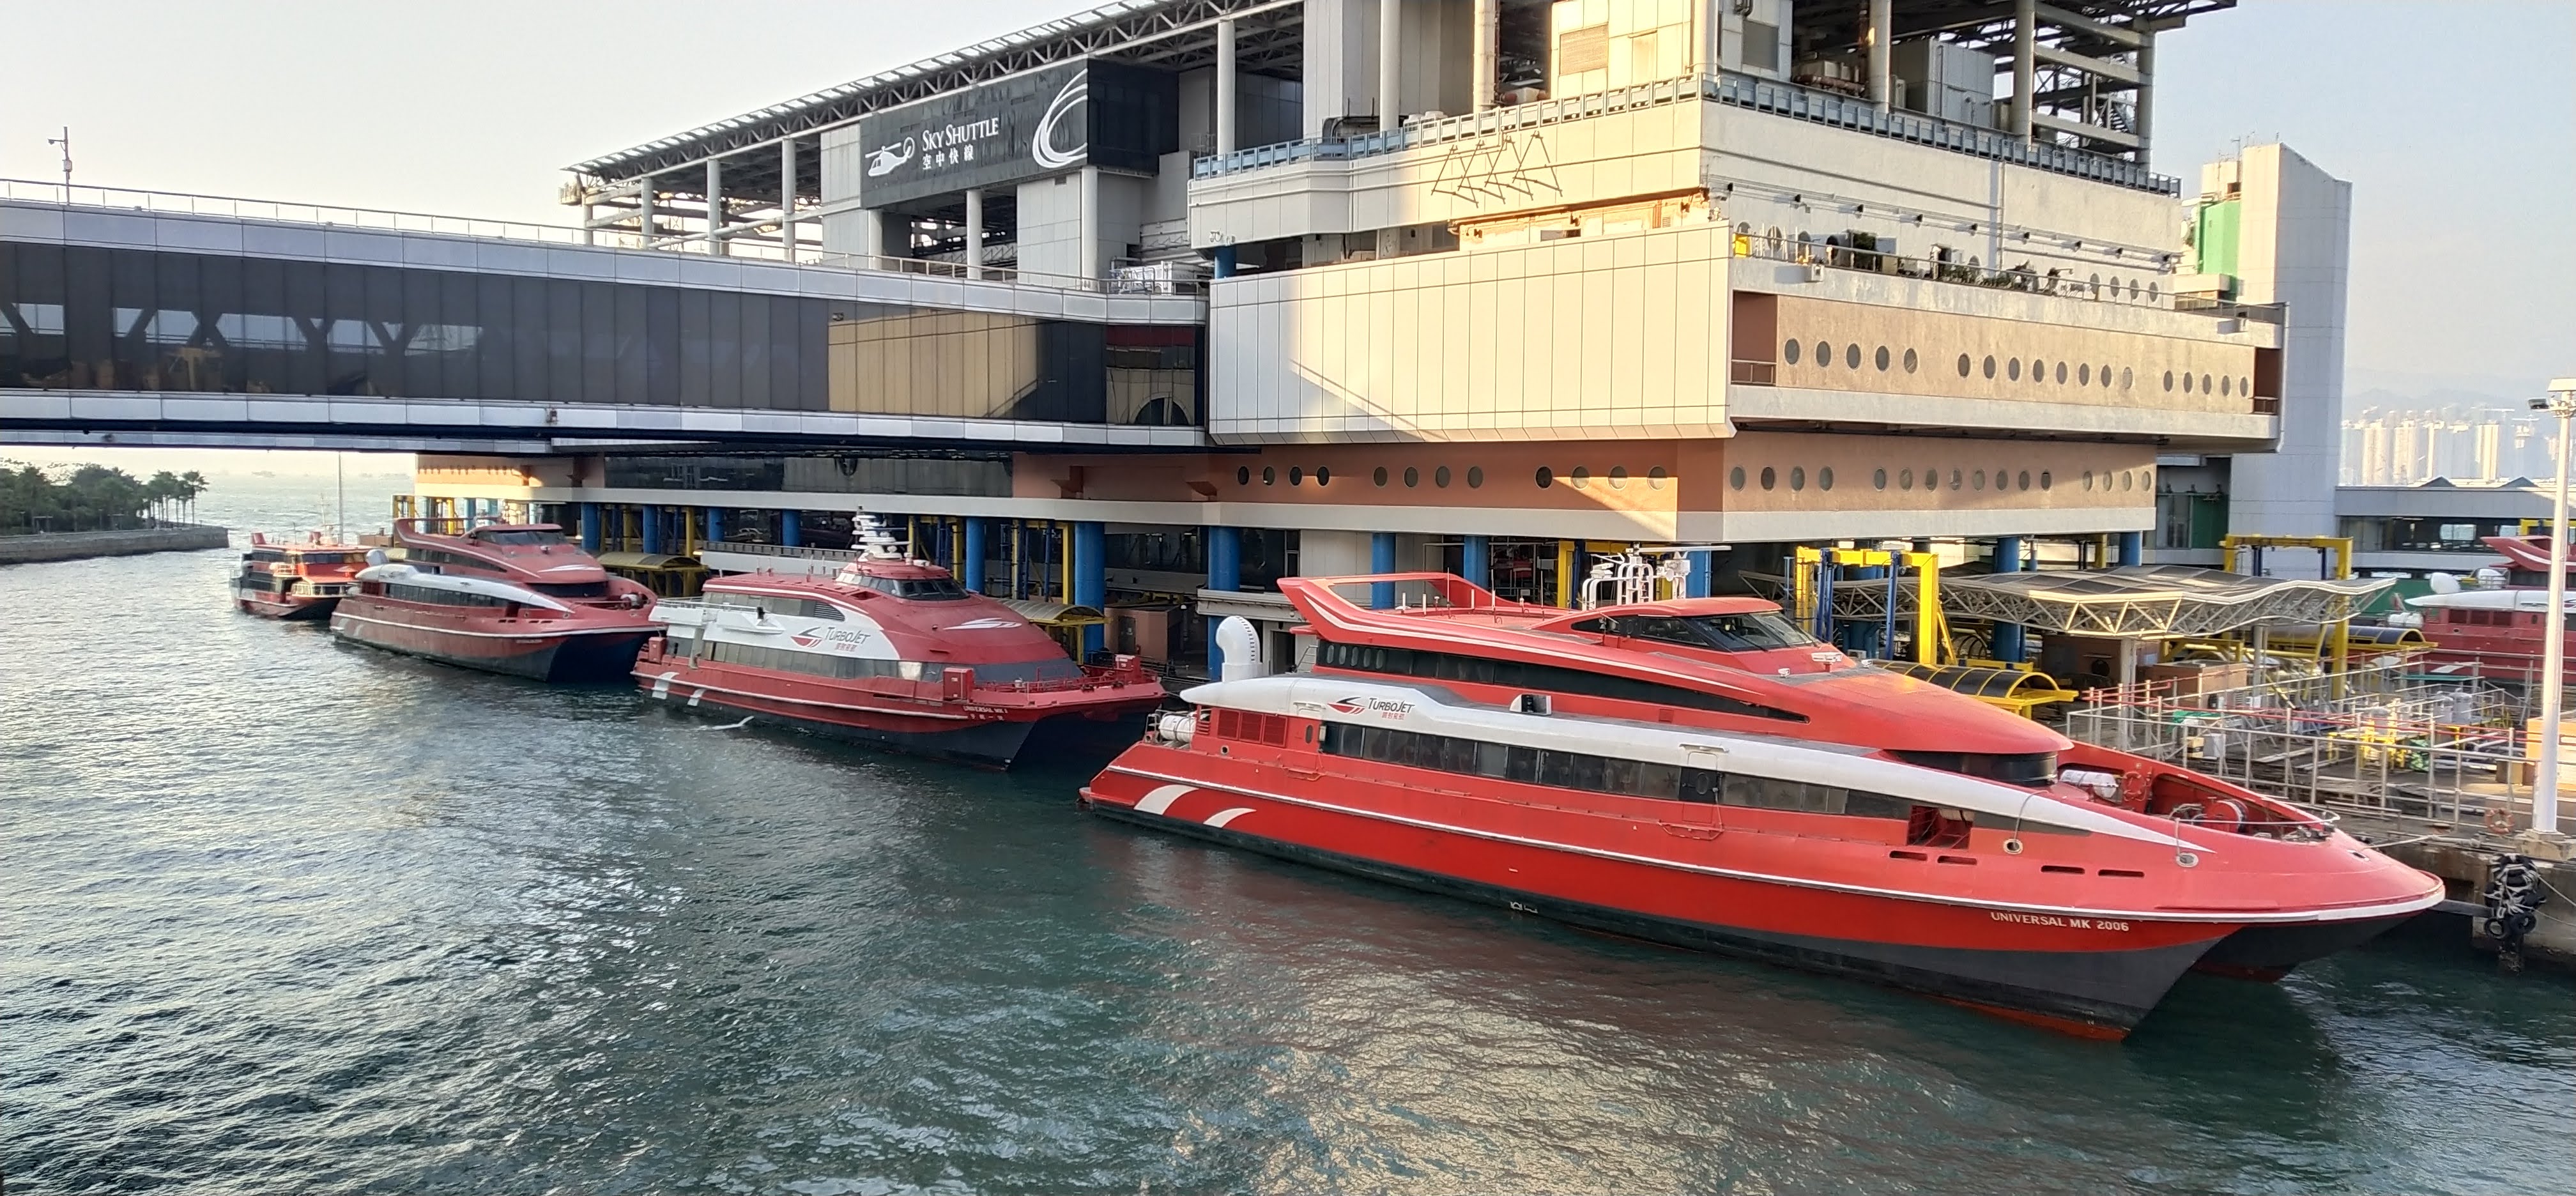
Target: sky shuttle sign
x=1025, y=127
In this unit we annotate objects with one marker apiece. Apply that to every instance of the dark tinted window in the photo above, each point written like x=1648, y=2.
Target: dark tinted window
x=2033, y=770
x=1444, y=666
x=526, y=536
x=1601, y=774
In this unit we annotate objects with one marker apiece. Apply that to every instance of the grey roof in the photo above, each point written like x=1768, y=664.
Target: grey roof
x=2154, y=601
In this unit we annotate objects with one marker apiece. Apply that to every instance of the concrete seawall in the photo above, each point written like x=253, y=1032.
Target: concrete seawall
x=71, y=546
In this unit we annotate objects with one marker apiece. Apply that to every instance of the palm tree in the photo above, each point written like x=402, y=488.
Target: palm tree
x=164, y=490
x=191, y=484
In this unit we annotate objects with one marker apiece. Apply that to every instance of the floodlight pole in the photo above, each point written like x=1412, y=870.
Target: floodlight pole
x=2553, y=662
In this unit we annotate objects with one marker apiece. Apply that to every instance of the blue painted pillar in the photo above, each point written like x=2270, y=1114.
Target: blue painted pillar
x=715, y=525
x=974, y=579
x=1090, y=577
x=790, y=532
x=2008, y=636
x=1703, y=567
x=1224, y=261
x=652, y=520
x=1225, y=572
x=1476, y=560
x=1382, y=560
x=2133, y=547
x=590, y=527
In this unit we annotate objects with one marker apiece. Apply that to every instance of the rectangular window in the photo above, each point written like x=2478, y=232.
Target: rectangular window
x=1585, y=49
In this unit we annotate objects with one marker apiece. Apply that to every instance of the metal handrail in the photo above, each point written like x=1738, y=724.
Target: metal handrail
x=1725, y=87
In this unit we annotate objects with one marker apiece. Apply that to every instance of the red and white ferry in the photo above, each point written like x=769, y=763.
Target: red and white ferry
x=506, y=598
x=2495, y=632
x=296, y=580
x=1702, y=773
x=889, y=651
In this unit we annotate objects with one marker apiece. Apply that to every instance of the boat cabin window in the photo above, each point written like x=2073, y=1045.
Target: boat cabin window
x=918, y=589
x=1603, y=774
x=530, y=536
x=1057, y=669
x=326, y=558
x=1447, y=666
x=438, y=597
x=1753, y=631
x=571, y=589
x=2032, y=770
x=790, y=660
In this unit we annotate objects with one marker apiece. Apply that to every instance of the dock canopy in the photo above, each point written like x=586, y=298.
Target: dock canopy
x=646, y=560
x=1055, y=615
x=2155, y=601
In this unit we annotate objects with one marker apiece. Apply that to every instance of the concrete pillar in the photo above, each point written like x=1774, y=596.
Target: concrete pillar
x=1382, y=560
x=590, y=527
x=1476, y=560
x=1092, y=266
x=787, y=198
x=1881, y=86
x=652, y=529
x=1091, y=576
x=789, y=532
x=715, y=525
x=589, y=233
x=2008, y=636
x=1225, y=56
x=1703, y=568
x=2133, y=548
x=1390, y=47
x=1224, y=266
x=1486, y=78
x=715, y=207
x=973, y=577
x=872, y=234
x=2025, y=65
x=2143, y=120
x=1225, y=572
x=974, y=232
x=644, y=214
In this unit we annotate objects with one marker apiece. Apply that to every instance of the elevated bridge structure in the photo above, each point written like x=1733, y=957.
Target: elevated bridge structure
x=138, y=318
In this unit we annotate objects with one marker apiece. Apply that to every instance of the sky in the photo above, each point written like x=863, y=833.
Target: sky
x=2455, y=123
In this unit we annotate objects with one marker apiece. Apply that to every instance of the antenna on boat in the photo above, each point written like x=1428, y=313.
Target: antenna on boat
x=340, y=480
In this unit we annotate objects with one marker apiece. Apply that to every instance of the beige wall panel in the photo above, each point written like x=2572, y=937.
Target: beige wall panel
x=1940, y=339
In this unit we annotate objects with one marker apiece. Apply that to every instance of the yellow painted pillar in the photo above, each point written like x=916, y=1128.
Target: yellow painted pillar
x=1565, y=574
x=1064, y=560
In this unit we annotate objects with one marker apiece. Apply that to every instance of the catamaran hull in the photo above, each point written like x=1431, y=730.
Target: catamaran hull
x=604, y=655
x=2068, y=973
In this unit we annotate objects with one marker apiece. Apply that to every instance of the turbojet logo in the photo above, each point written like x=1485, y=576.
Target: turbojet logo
x=1390, y=707
x=829, y=639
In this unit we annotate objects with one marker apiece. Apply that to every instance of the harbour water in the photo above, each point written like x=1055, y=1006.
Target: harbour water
x=280, y=915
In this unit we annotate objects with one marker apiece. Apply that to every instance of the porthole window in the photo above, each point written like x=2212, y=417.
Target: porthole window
x=1546, y=477
x=1990, y=367
x=2204, y=384
x=2021, y=481
x=2169, y=381
x=1878, y=480
x=2084, y=374
x=1735, y=478
x=1582, y=476
x=1380, y=476
x=2014, y=369
x=2186, y=383
x=1323, y=475
x=2106, y=375
x=1905, y=479
x=1851, y=357
x=2146, y=479
x=1965, y=365
x=1243, y=475
x=1413, y=477
x=2127, y=479
x=2038, y=370
x=2061, y=373
x=1954, y=479
x=1909, y=361
x=1797, y=477
x=1269, y=475
x=1883, y=359
x=1296, y=475
x=2226, y=386
x=1825, y=478
x=1440, y=477
x=2126, y=377
x=2245, y=386
x=1824, y=353
x=1789, y=352
x=2043, y=479
x=1977, y=480
x=1618, y=477
x=1475, y=477
x=2096, y=282
x=2151, y=292
x=2115, y=286
x=1655, y=478
x=2088, y=479
x=1769, y=478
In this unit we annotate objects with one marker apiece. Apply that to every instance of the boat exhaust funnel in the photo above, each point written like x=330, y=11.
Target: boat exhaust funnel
x=1241, y=645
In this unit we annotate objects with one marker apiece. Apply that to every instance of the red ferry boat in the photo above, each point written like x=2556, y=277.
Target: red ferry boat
x=296, y=580
x=505, y=598
x=890, y=651
x=2494, y=632
x=1702, y=773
